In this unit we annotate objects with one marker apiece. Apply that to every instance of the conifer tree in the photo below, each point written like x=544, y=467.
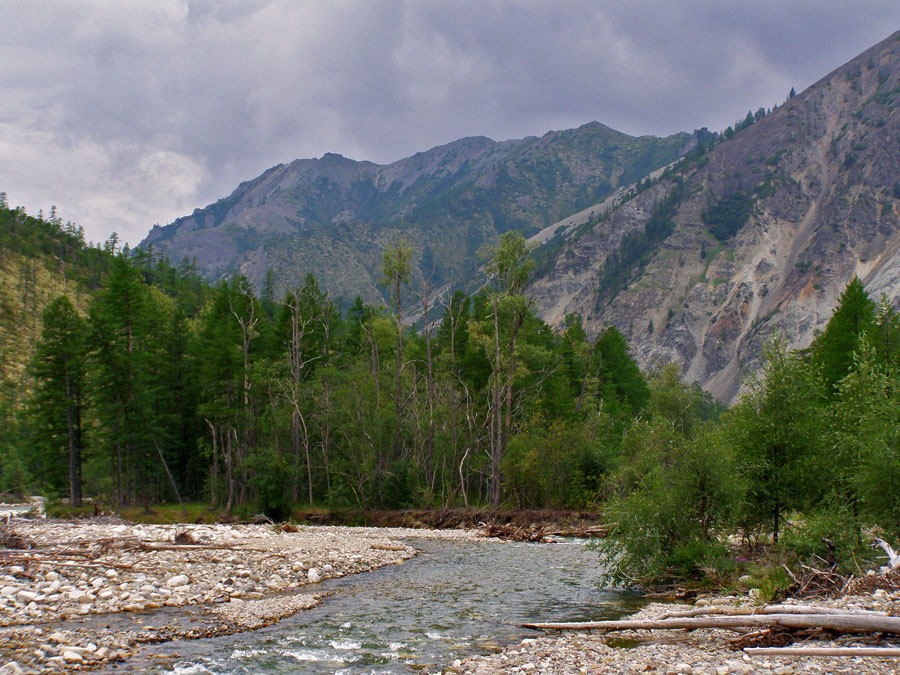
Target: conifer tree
x=59, y=368
x=833, y=350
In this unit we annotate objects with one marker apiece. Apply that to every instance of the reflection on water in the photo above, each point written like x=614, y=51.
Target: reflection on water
x=453, y=600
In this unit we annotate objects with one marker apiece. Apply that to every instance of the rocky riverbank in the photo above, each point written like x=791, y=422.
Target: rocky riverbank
x=78, y=594
x=681, y=652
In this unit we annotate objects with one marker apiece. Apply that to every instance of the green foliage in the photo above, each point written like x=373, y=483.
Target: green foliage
x=812, y=537
x=776, y=432
x=728, y=215
x=771, y=580
x=59, y=369
x=561, y=465
x=833, y=350
x=620, y=380
x=272, y=483
x=677, y=491
x=15, y=479
x=865, y=420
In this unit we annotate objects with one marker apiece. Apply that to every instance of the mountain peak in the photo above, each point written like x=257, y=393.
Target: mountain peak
x=334, y=215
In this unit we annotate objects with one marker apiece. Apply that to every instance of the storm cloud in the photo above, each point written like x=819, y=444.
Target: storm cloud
x=132, y=113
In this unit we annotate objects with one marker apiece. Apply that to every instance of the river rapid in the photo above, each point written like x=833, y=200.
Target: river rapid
x=454, y=599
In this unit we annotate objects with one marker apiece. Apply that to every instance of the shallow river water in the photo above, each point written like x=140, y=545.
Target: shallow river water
x=452, y=600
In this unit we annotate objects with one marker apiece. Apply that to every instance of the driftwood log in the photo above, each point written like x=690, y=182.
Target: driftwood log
x=823, y=651
x=842, y=623
x=768, y=609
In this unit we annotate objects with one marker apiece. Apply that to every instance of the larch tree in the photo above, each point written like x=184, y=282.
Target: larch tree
x=833, y=350
x=59, y=369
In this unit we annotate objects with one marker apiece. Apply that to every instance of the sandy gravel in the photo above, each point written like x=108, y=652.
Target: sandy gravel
x=236, y=577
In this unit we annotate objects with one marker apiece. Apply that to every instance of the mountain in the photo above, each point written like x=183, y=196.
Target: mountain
x=757, y=235
x=334, y=216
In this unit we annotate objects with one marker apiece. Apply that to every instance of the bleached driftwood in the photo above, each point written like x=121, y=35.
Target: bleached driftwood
x=823, y=651
x=767, y=609
x=386, y=547
x=893, y=557
x=843, y=623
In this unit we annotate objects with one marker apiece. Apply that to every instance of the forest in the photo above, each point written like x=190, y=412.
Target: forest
x=166, y=389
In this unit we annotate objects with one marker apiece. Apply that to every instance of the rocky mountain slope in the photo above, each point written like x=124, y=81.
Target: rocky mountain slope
x=758, y=236
x=334, y=216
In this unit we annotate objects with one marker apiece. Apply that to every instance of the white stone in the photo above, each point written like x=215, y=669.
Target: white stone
x=26, y=596
x=314, y=575
x=70, y=656
x=178, y=580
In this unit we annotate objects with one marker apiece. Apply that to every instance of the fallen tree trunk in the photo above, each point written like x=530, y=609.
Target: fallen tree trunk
x=823, y=651
x=768, y=609
x=843, y=623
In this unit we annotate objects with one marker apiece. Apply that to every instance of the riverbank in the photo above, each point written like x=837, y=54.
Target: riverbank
x=77, y=594
x=682, y=652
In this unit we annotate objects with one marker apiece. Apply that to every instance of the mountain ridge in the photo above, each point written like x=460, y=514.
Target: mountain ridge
x=321, y=214
x=819, y=173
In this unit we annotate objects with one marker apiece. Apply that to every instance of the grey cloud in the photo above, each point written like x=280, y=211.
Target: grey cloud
x=126, y=114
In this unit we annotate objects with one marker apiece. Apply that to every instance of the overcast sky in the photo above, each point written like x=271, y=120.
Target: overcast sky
x=134, y=112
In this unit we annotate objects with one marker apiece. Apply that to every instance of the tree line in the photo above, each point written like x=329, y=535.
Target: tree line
x=165, y=390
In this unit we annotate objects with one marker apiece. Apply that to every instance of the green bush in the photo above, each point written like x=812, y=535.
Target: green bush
x=676, y=505
x=809, y=539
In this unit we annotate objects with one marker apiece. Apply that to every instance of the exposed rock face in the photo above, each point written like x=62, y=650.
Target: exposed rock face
x=334, y=216
x=824, y=174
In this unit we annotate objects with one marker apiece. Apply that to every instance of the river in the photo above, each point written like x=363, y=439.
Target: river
x=453, y=600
